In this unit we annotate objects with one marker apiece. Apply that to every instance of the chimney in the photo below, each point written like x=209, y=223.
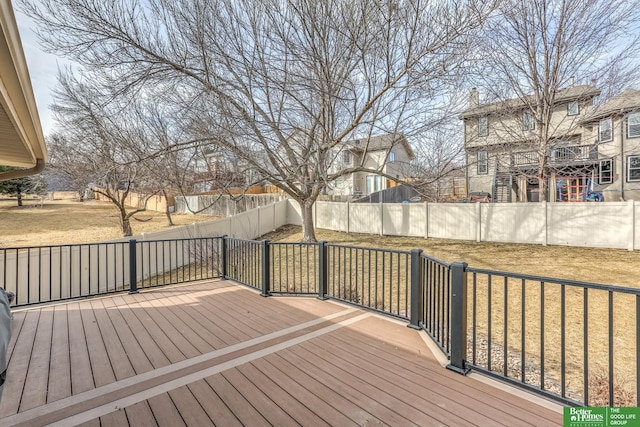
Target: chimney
x=474, y=98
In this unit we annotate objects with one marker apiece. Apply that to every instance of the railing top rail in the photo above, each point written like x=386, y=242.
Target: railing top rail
x=558, y=281
x=178, y=239
x=436, y=260
x=236, y=239
x=293, y=243
x=66, y=245
x=366, y=248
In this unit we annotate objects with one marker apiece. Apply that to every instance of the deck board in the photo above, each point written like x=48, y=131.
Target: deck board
x=213, y=405
x=259, y=399
x=118, y=358
x=236, y=402
x=492, y=402
x=19, y=364
x=165, y=412
x=189, y=407
x=16, y=326
x=147, y=344
x=60, y=367
x=140, y=415
x=356, y=414
x=81, y=373
x=131, y=346
x=194, y=355
x=101, y=367
x=35, y=388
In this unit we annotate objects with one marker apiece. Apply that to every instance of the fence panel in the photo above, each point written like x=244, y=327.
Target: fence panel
x=573, y=341
x=52, y=273
x=513, y=222
x=244, y=261
x=436, y=294
x=164, y=262
x=294, y=268
x=404, y=219
x=373, y=278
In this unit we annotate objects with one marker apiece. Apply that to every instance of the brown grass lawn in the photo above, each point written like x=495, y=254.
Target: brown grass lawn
x=69, y=221
x=609, y=266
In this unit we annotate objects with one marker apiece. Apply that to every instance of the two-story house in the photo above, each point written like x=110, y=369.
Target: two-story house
x=584, y=156
x=615, y=125
x=388, y=154
x=218, y=169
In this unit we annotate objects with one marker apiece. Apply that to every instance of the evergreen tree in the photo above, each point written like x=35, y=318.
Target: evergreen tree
x=21, y=186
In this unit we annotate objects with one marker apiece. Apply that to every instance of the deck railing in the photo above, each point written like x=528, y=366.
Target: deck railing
x=576, y=342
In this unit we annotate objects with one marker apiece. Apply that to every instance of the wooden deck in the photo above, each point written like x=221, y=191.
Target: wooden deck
x=215, y=353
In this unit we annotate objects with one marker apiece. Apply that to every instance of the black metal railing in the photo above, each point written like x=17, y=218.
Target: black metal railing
x=166, y=262
x=244, y=261
x=374, y=278
x=294, y=268
x=573, y=341
x=436, y=285
x=55, y=273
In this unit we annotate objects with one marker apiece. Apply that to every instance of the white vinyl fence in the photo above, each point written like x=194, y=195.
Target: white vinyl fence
x=600, y=225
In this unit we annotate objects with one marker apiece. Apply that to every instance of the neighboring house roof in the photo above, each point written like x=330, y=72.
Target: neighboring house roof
x=581, y=92
x=627, y=101
x=21, y=139
x=381, y=143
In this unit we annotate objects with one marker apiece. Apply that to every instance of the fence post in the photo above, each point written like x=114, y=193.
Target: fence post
x=266, y=288
x=133, y=270
x=322, y=270
x=224, y=257
x=417, y=289
x=458, y=318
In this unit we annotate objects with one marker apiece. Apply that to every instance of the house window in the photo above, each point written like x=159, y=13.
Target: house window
x=392, y=157
x=528, y=121
x=573, y=109
x=374, y=183
x=483, y=126
x=605, y=172
x=605, y=130
x=633, y=125
x=346, y=157
x=483, y=163
x=633, y=168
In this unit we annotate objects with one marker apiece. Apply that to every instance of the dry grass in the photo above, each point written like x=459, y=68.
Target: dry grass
x=68, y=221
x=607, y=266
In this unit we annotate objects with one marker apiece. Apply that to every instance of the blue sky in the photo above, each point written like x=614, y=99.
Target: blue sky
x=43, y=69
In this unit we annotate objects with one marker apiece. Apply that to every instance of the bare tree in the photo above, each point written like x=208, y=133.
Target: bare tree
x=67, y=161
x=537, y=52
x=109, y=140
x=292, y=80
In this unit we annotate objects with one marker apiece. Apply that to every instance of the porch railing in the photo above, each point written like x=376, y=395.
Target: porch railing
x=576, y=342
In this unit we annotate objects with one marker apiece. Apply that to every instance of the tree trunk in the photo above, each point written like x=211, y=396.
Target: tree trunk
x=167, y=212
x=308, y=232
x=125, y=223
x=19, y=195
